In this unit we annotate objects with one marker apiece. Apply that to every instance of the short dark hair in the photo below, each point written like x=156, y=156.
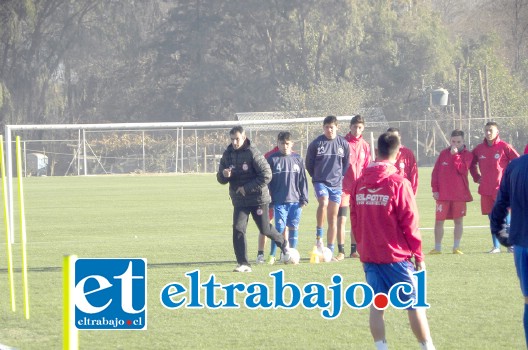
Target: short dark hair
x=284, y=136
x=330, y=120
x=357, y=119
x=393, y=129
x=457, y=132
x=236, y=129
x=492, y=124
x=388, y=145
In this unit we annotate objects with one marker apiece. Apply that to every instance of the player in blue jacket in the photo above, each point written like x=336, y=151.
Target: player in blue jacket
x=288, y=189
x=327, y=162
x=513, y=193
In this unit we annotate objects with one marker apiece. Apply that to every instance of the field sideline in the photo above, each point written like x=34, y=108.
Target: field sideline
x=182, y=223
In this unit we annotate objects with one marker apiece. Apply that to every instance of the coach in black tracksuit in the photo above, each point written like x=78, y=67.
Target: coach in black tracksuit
x=248, y=174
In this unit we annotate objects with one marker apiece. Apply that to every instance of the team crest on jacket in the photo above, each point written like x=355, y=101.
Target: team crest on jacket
x=497, y=156
x=296, y=168
x=402, y=165
x=340, y=151
x=259, y=211
x=245, y=166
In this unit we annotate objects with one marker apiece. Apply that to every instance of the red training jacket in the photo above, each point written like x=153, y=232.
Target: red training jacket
x=384, y=216
x=492, y=161
x=526, y=149
x=450, y=176
x=406, y=165
x=358, y=160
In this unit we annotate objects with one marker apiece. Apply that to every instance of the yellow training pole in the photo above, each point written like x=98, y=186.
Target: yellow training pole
x=22, y=227
x=7, y=227
x=70, y=334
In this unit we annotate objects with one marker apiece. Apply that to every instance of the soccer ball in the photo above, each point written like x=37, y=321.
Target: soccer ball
x=327, y=254
x=291, y=257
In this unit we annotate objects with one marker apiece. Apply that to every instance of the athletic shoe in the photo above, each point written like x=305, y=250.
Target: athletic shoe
x=271, y=260
x=510, y=249
x=494, y=251
x=354, y=255
x=260, y=259
x=457, y=251
x=340, y=257
x=435, y=252
x=242, y=268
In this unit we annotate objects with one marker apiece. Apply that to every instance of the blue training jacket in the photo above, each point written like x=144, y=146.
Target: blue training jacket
x=513, y=193
x=288, y=182
x=327, y=160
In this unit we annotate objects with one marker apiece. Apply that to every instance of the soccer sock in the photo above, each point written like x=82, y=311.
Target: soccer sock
x=273, y=249
x=381, y=345
x=496, y=243
x=438, y=247
x=341, y=248
x=456, y=245
x=319, y=232
x=294, y=236
x=427, y=345
x=353, y=248
x=331, y=247
x=525, y=322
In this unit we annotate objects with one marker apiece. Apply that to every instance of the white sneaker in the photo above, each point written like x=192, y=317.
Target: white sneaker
x=494, y=251
x=260, y=259
x=242, y=268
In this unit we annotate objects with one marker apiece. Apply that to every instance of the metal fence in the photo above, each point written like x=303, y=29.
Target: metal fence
x=197, y=150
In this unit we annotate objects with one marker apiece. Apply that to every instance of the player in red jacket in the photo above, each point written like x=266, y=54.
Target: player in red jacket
x=384, y=217
x=406, y=162
x=492, y=157
x=450, y=185
x=358, y=160
x=526, y=149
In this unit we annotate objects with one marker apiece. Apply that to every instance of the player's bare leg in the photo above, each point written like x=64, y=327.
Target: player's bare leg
x=332, y=211
x=420, y=327
x=457, y=233
x=321, y=216
x=439, y=235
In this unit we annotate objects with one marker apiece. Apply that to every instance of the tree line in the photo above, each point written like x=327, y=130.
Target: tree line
x=91, y=61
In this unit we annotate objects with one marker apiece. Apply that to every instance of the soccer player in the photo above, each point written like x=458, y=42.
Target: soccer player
x=288, y=189
x=385, y=224
x=406, y=162
x=513, y=193
x=248, y=174
x=492, y=156
x=327, y=162
x=358, y=160
x=450, y=185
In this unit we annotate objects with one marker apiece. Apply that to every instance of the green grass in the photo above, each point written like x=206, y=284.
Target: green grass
x=182, y=223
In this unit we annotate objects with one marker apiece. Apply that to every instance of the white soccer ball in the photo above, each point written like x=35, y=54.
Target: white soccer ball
x=291, y=257
x=327, y=254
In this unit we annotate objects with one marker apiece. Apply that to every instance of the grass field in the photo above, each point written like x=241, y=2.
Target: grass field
x=183, y=222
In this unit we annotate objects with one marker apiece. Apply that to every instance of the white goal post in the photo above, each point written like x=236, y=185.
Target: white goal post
x=10, y=131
